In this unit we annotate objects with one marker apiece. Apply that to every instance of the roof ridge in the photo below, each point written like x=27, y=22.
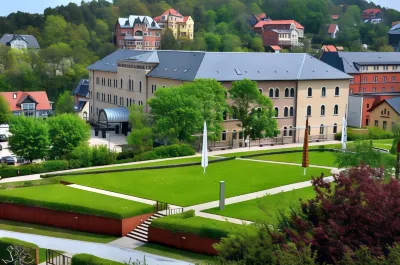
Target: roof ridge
x=301, y=67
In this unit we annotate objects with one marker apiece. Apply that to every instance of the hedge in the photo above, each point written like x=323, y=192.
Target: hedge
x=29, y=248
x=175, y=150
x=187, y=222
x=320, y=148
x=373, y=133
x=47, y=166
x=86, y=259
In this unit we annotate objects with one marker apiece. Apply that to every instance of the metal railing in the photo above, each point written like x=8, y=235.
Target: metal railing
x=160, y=206
x=57, y=258
x=174, y=211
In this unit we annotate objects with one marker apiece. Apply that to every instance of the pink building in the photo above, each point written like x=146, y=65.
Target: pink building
x=137, y=33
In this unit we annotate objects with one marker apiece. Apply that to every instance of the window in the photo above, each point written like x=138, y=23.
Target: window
x=98, y=96
x=234, y=134
x=286, y=92
x=291, y=112
x=292, y=92
x=28, y=106
x=321, y=129
x=284, y=131
x=276, y=112
x=127, y=102
x=337, y=91
x=286, y=112
x=290, y=131
x=367, y=106
x=130, y=84
x=374, y=89
x=352, y=81
x=376, y=67
x=376, y=124
x=365, y=80
x=277, y=92
x=97, y=80
x=240, y=135
x=261, y=90
x=308, y=110
x=309, y=94
x=367, y=122
x=392, y=89
x=394, y=67
x=336, y=110
x=322, y=110
x=234, y=116
x=224, y=115
x=140, y=86
x=223, y=138
x=384, y=125
x=375, y=79
x=384, y=79
x=122, y=83
x=271, y=92
x=351, y=91
x=385, y=67
x=157, y=34
x=364, y=90
x=393, y=79
x=383, y=89
x=335, y=128
x=384, y=111
x=323, y=92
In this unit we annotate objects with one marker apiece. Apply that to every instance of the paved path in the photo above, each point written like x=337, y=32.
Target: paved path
x=105, y=251
x=222, y=218
x=283, y=163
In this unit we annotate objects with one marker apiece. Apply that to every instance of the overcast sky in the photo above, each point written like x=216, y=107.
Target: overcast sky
x=38, y=6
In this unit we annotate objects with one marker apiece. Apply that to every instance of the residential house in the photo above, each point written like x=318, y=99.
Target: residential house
x=298, y=85
x=284, y=33
x=333, y=30
x=335, y=17
x=373, y=15
x=255, y=18
x=386, y=114
x=394, y=23
x=181, y=26
x=376, y=77
x=394, y=37
x=18, y=41
x=137, y=33
x=30, y=104
x=82, y=97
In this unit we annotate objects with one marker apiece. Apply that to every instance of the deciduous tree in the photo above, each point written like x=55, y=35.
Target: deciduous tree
x=65, y=103
x=141, y=137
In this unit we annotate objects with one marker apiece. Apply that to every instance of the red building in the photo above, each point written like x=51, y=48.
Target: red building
x=371, y=13
x=137, y=33
x=284, y=33
x=376, y=78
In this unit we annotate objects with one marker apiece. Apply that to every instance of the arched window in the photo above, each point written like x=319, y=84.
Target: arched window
x=261, y=90
x=309, y=93
x=284, y=131
x=292, y=92
x=384, y=111
x=286, y=112
x=337, y=91
x=335, y=128
x=224, y=115
x=140, y=86
x=291, y=112
x=324, y=92
x=277, y=92
x=271, y=92
x=276, y=112
x=290, y=131
x=308, y=110
x=322, y=110
x=139, y=33
x=321, y=129
x=286, y=92
x=336, y=110
x=223, y=136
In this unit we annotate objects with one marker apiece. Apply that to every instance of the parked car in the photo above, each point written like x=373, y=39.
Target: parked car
x=9, y=160
x=1, y=147
x=3, y=138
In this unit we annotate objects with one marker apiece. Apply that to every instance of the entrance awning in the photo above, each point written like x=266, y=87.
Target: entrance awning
x=113, y=116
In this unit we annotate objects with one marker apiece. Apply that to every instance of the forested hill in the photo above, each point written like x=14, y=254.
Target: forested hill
x=73, y=36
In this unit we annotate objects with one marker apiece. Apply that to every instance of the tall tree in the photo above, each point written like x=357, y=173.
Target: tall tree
x=65, y=103
x=168, y=41
x=247, y=102
x=141, y=137
x=29, y=138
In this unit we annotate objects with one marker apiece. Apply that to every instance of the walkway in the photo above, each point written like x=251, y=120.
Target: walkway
x=109, y=251
x=283, y=163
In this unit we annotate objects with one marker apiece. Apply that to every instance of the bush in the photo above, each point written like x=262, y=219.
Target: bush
x=81, y=156
x=175, y=150
x=22, y=170
x=351, y=136
x=29, y=248
x=379, y=133
x=54, y=165
x=150, y=155
x=102, y=156
x=86, y=259
x=125, y=155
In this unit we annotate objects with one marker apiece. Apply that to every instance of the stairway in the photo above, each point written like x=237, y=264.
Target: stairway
x=140, y=233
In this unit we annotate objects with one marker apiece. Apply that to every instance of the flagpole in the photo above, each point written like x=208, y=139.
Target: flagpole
x=204, y=153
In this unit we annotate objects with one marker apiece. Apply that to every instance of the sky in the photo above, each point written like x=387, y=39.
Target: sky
x=38, y=6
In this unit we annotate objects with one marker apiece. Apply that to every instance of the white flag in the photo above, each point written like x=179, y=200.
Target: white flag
x=344, y=134
x=204, y=154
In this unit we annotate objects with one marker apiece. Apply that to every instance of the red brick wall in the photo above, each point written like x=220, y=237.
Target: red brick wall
x=270, y=38
x=183, y=241
x=68, y=220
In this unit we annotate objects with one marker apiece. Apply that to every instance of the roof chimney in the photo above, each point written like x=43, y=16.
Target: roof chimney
x=14, y=95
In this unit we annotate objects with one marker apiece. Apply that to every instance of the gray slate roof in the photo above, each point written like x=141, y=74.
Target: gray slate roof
x=31, y=40
x=394, y=103
x=82, y=89
x=352, y=59
x=395, y=29
x=226, y=66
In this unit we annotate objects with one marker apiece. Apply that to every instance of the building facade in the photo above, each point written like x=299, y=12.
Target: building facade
x=376, y=76
x=137, y=33
x=386, y=114
x=30, y=104
x=284, y=33
x=81, y=99
x=181, y=26
x=298, y=85
x=17, y=41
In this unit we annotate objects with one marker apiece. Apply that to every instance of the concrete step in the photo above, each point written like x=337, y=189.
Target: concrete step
x=138, y=231
x=141, y=239
x=143, y=228
x=137, y=235
x=147, y=222
x=159, y=215
x=145, y=225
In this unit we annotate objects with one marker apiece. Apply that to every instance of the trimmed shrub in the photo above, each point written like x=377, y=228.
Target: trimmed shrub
x=150, y=155
x=81, y=156
x=10, y=244
x=54, y=165
x=186, y=150
x=379, y=133
x=86, y=259
x=125, y=155
x=175, y=150
x=351, y=136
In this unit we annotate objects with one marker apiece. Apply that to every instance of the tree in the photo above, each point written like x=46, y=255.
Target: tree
x=246, y=99
x=5, y=113
x=66, y=131
x=168, y=41
x=141, y=137
x=29, y=138
x=65, y=103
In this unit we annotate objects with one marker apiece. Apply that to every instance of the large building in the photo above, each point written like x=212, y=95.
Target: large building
x=137, y=33
x=298, y=85
x=30, y=104
x=17, y=41
x=376, y=77
x=386, y=114
x=181, y=26
x=284, y=33
x=394, y=36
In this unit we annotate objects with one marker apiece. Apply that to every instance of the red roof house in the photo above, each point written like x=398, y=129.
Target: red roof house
x=371, y=13
x=34, y=103
x=261, y=24
x=332, y=30
x=335, y=17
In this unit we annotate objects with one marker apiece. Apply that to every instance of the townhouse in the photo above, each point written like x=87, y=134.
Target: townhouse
x=299, y=85
x=181, y=26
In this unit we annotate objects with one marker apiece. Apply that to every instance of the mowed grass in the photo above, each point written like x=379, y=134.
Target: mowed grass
x=59, y=197
x=54, y=232
x=266, y=209
x=187, y=186
x=315, y=158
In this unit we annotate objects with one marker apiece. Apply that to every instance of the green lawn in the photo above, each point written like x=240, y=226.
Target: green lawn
x=187, y=186
x=177, y=254
x=266, y=208
x=315, y=158
x=59, y=197
x=53, y=232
